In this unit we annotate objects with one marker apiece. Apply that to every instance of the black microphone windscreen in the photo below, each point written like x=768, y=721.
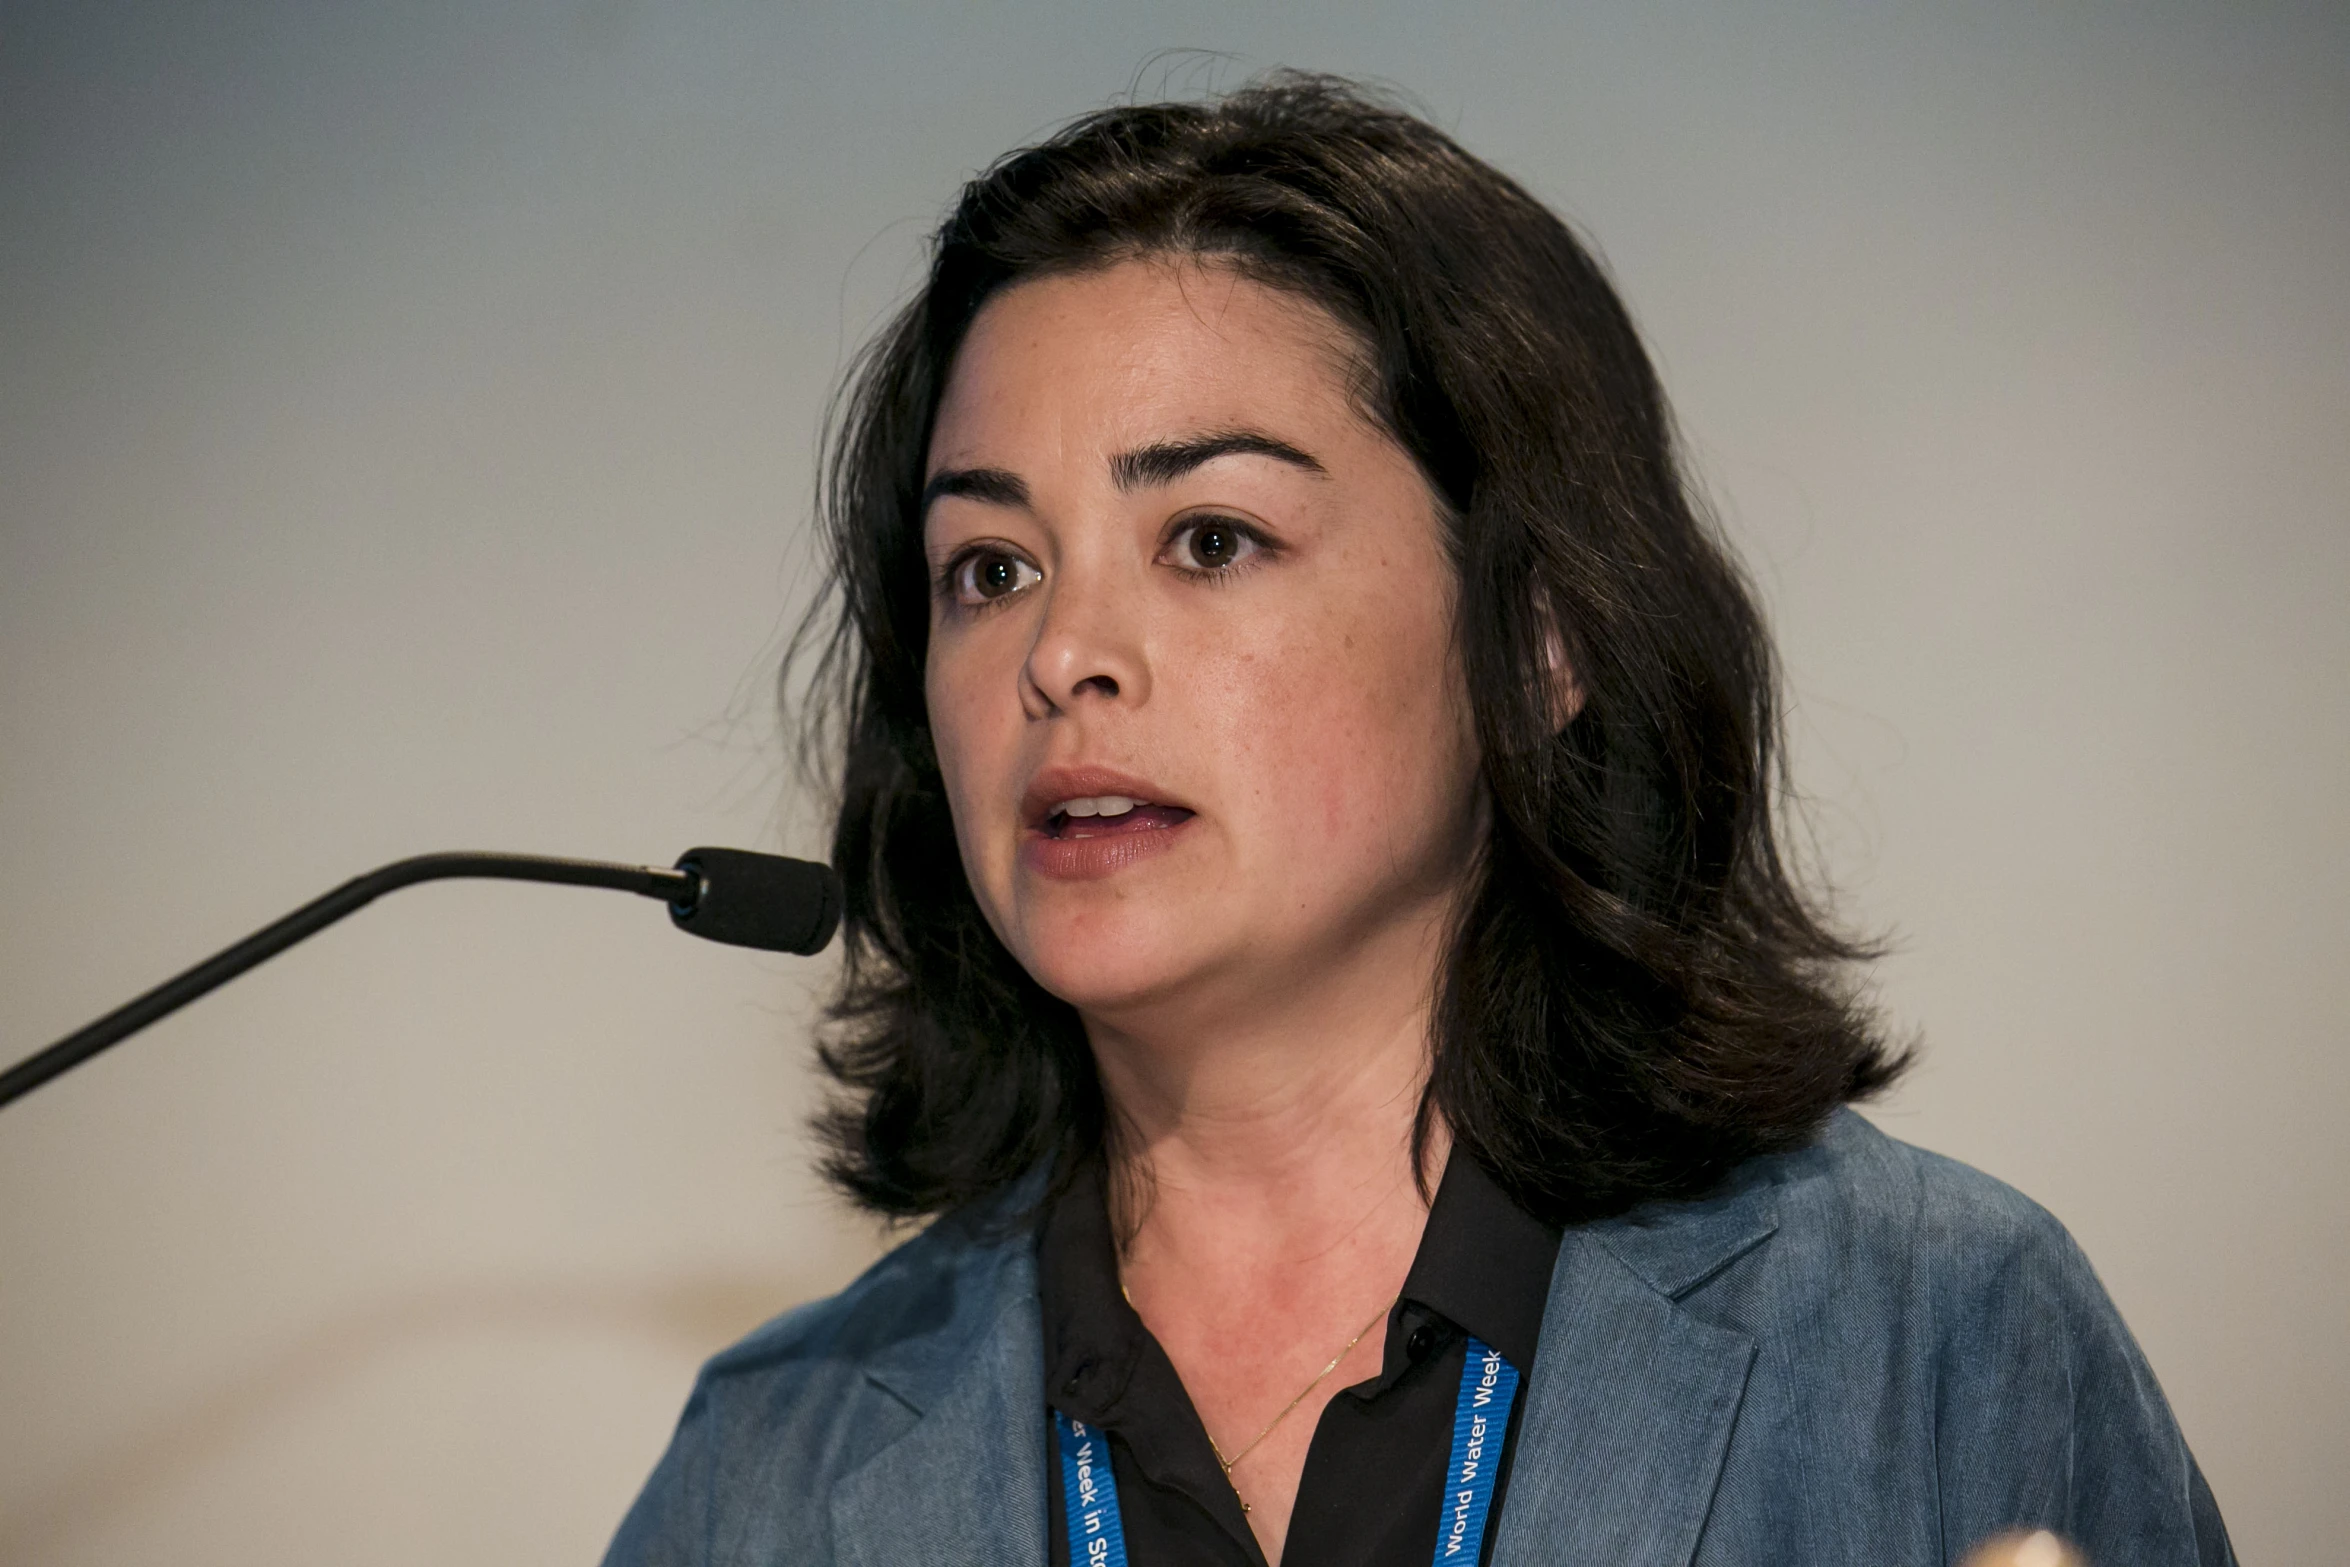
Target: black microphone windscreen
x=760, y=900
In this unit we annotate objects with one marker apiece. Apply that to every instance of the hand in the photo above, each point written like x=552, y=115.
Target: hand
x=2038, y=1549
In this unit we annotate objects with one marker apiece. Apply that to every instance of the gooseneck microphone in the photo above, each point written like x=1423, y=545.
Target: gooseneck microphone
x=729, y=895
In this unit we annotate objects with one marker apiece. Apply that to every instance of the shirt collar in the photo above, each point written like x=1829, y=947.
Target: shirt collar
x=1484, y=1263
x=1093, y=1339
x=1102, y=1365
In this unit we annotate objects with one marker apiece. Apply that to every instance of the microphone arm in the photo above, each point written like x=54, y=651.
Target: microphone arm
x=729, y=895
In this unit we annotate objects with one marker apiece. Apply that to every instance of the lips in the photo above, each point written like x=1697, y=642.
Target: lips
x=1086, y=822
x=1102, y=816
x=1091, y=800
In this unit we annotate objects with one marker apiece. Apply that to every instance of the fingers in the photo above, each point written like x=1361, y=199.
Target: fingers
x=2038, y=1549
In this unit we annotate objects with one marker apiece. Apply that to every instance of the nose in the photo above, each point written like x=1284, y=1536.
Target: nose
x=1088, y=647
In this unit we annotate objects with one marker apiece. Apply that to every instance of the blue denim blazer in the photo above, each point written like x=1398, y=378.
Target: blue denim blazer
x=1856, y=1355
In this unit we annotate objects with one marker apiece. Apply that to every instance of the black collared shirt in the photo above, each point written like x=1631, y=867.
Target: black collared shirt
x=1374, y=1475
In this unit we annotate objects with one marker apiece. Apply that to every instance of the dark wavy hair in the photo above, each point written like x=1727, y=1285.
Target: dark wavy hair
x=1639, y=993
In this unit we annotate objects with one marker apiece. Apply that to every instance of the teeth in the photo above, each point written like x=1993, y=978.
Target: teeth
x=1099, y=805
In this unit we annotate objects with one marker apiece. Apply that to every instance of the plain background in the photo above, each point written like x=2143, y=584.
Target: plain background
x=407, y=422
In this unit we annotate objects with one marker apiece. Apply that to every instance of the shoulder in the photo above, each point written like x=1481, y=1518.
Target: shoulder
x=1905, y=1304
x=1907, y=1253
x=1859, y=1199
x=1855, y=1223
x=777, y=1419
x=919, y=1291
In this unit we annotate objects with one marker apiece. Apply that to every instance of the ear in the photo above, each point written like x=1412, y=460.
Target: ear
x=1563, y=686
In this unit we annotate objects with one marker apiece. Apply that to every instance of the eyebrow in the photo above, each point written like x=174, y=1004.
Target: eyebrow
x=996, y=486
x=1161, y=462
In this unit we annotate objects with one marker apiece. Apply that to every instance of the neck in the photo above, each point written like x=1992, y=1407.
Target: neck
x=1276, y=1142
x=1263, y=1188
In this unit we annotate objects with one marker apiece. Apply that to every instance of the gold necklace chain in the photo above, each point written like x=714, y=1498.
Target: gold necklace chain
x=1228, y=1463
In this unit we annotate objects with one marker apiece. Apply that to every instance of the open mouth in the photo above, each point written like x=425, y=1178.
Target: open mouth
x=1109, y=815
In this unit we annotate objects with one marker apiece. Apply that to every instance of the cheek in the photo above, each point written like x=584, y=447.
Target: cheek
x=969, y=736
x=1351, y=727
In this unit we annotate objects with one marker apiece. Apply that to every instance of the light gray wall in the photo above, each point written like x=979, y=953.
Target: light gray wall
x=406, y=424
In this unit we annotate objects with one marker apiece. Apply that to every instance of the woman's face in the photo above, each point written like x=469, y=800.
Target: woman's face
x=1191, y=670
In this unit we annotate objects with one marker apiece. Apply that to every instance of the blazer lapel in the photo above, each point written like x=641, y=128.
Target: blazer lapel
x=1630, y=1408
x=965, y=1486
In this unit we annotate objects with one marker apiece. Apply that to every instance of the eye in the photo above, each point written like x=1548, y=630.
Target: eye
x=986, y=575
x=1211, y=544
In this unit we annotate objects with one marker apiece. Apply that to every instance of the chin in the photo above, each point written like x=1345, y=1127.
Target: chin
x=1103, y=964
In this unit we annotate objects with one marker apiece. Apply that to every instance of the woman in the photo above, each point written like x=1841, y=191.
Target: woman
x=1317, y=944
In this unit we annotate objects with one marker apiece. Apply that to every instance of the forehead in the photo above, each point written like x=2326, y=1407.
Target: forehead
x=1069, y=367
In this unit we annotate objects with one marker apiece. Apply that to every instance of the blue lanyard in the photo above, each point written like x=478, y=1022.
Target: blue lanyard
x=1089, y=1496
x=1480, y=1421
